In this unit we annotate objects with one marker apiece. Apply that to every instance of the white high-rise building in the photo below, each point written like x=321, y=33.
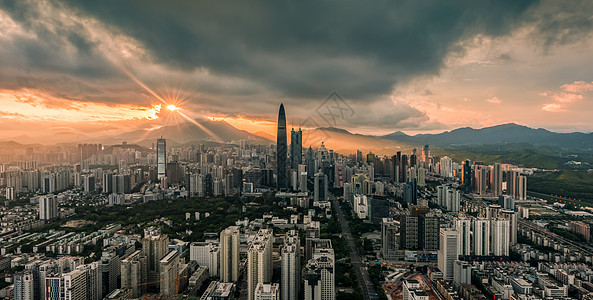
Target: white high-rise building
x=463, y=226
x=229, y=254
x=291, y=266
x=205, y=254
x=361, y=206
x=500, y=237
x=481, y=231
x=259, y=261
x=24, y=285
x=48, y=207
x=448, y=252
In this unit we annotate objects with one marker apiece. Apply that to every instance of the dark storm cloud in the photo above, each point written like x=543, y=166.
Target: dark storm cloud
x=259, y=51
x=306, y=48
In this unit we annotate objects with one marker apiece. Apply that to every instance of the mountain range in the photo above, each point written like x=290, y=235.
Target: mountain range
x=342, y=140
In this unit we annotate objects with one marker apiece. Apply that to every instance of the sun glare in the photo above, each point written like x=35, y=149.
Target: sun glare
x=172, y=107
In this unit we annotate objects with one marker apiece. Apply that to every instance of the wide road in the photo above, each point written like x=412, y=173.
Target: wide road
x=368, y=290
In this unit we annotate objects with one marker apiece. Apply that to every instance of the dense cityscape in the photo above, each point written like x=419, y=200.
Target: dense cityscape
x=296, y=150
x=247, y=221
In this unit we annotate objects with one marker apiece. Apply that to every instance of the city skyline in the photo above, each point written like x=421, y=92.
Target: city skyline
x=75, y=69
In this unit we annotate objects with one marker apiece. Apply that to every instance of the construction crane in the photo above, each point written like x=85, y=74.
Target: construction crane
x=152, y=282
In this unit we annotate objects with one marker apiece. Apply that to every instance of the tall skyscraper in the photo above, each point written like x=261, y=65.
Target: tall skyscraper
x=281, y=151
x=447, y=252
x=466, y=176
x=229, y=254
x=496, y=175
x=259, y=261
x=296, y=148
x=291, y=266
x=320, y=186
x=161, y=158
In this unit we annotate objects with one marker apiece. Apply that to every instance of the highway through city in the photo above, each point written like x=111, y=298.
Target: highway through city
x=368, y=290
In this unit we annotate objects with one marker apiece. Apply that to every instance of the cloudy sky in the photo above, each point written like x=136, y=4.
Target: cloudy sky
x=95, y=68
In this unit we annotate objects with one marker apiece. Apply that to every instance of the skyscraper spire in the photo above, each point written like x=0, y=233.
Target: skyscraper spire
x=281, y=148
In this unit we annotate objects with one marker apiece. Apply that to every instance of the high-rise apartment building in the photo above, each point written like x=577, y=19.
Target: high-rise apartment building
x=134, y=273
x=154, y=246
x=206, y=254
x=291, y=266
x=48, y=207
x=229, y=254
x=259, y=261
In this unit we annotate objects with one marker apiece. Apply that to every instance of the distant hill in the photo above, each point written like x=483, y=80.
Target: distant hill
x=213, y=131
x=499, y=134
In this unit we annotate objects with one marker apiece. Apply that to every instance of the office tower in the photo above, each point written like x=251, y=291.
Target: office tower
x=511, y=216
x=426, y=154
x=389, y=241
x=320, y=191
x=463, y=227
x=500, y=237
x=411, y=192
x=428, y=237
x=89, y=184
x=302, y=178
x=409, y=232
x=229, y=254
x=466, y=176
x=24, y=285
x=403, y=167
x=259, y=261
x=107, y=184
x=448, y=252
x=496, y=183
x=506, y=202
x=521, y=190
x=281, y=151
x=169, y=273
x=291, y=266
x=206, y=254
x=48, y=207
x=154, y=246
x=311, y=162
x=482, y=179
x=161, y=159
x=296, y=148
x=75, y=285
x=267, y=291
x=378, y=209
x=481, y=241
x=134, y=273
